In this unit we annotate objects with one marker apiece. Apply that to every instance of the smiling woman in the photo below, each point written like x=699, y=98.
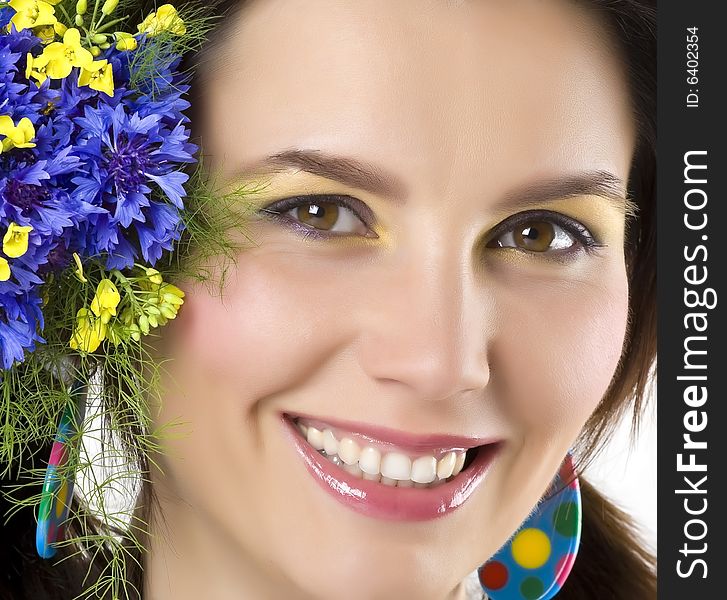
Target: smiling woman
x=448, y=304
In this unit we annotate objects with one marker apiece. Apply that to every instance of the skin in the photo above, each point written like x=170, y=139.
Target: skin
x=465, y=105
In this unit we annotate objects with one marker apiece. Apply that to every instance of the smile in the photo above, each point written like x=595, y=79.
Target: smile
x=389, y=474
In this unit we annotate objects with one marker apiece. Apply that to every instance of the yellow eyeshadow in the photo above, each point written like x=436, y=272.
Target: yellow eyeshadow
x=601, y=217
x=287, y=184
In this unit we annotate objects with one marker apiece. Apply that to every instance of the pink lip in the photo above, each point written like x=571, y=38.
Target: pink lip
x=392, y=503
x=406, y=442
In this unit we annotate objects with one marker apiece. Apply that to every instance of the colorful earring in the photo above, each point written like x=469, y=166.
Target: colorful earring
x=536, y=561
x=57, y=493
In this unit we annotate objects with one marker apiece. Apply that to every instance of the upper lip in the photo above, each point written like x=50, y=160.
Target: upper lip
x=402, y=439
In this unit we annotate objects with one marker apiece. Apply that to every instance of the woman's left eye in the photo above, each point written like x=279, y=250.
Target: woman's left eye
x=542, y=232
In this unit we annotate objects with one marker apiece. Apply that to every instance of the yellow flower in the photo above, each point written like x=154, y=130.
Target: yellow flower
x=89, y=333
x=46, y=33
x=6, y=125
x=164, y=19
x=172, y=294
x=125, y=41
x=17, y=136
x=32, y=13
x=36, y=68
x=170, y=299
x=79, y=268
x=98, y=77
x=109, y=6
x=154, y=276
x=4, y=269
x=60, y=28
x=61, y=57
x=106, y=300
x=15, y=241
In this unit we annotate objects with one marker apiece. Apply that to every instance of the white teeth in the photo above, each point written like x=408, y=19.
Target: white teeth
x=445, y=466
x=394, y=469
x=315, y=438
x=370, y=460
x=349, y=451
x=396, y=465
x=459, y=463
x=330, y=443
x=424, y=469
x=353, y=469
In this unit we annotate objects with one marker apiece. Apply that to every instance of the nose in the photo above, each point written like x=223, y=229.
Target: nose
x=429, y=323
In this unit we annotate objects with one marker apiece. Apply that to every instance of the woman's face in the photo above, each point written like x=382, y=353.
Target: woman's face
x=472, y=285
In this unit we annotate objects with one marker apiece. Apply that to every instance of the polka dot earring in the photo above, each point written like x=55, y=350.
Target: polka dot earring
x=535, y=562
x=55, y=500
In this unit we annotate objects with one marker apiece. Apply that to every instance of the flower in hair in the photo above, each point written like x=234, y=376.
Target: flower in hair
x=94, y=145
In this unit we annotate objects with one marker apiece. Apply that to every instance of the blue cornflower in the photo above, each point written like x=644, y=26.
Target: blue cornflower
x=6, y=13
x=20, y=319
x=104, y=177
x=129, y=160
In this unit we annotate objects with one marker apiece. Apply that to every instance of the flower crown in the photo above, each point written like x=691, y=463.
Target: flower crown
x=90, y=169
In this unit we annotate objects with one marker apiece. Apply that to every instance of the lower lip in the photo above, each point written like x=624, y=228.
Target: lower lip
x=374, y=499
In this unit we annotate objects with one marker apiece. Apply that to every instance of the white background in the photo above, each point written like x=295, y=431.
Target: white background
x=626, y=472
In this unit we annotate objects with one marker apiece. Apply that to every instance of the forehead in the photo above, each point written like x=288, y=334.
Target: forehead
x=439, y=90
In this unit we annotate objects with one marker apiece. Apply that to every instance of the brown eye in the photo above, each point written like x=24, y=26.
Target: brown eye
x=542, y=232
x=536, y=237
x=321, y=215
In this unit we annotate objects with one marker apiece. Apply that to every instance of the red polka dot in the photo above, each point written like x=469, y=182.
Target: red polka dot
x=51, y=533
x=564, y=566
x=493, y=575
x=57, y=454
x=567, y=473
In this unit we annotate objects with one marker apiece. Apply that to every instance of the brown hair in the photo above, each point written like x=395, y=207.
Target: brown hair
x=612, y=563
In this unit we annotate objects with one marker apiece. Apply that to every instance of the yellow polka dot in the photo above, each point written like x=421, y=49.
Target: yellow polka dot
x=531, y=548
x=61, y=499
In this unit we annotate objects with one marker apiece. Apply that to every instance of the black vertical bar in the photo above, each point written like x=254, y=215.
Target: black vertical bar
x=692, y=66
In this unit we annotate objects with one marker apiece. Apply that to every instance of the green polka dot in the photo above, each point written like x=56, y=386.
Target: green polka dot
x=532, y=588
x=565, y=519
x=44, y=510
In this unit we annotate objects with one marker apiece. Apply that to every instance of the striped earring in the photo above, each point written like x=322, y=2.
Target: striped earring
x=536, y=561
x=57, y=493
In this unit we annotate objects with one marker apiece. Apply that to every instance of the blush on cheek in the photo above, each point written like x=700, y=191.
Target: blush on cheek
x=270, y=327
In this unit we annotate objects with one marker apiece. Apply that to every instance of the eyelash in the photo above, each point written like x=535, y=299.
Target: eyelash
x=277, y=210
x=580, y=233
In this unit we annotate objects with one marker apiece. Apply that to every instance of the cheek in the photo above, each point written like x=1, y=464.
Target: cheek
x=558, y=352
x=270, y=326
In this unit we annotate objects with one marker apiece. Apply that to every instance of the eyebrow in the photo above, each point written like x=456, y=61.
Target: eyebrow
x=374, y=179
x=591, y=183
x=345, y=170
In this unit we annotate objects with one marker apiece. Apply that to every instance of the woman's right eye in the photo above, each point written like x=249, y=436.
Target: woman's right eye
x=322, y=216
